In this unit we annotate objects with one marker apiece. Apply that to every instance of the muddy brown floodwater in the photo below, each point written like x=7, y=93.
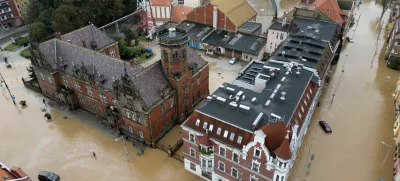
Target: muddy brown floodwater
x=361, y=114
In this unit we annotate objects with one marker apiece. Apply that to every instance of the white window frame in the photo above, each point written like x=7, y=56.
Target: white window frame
x=237, y=172
x=112, y=53
x=302, y=108
x=65, y=82
x=219, y=131
x=233, y=157
x=224, y=165
x=130, y=129
x=194, y=152
x=300, y=116
x=308, y=96
x=171, y=102
x=232, y=137
x=239, y=140
x=253, y=178
x=198, y=80
x=226, y=132
x=181, y=2
x=128, y=114
x=89, y=91
x=191, y=135
x=205, y=124
x=310, y=91
x=255, y=151
x=198, y=122
x=220, y=151
x=42, y=76
x=211, y=127
x=77, y=86
x=194, y=166
x=305, y=102
x=49, y=80
x=103, y=98
x=252, y=166
x=141, y=134
x=162, y=109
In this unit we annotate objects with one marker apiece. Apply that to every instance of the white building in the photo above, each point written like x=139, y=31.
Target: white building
x=277, y=33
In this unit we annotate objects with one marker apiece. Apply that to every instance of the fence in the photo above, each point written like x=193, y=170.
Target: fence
x=172, y=150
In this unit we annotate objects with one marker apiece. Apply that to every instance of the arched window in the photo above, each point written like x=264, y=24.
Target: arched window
x=175, y=56
x=184, y=53
x=277, y=178
x=165, y=55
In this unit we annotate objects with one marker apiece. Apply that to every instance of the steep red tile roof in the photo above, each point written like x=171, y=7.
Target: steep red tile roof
x=275, y=135
x=284, y=150
x=179, y=13
x=160, y=2
x=329, y=8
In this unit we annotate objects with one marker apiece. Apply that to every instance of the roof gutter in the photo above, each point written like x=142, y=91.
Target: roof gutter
x=24, y=178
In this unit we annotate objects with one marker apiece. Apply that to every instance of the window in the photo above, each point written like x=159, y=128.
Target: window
x=302, y=109
x=193, y=166
x=197, y=122
x=192, y=152
x=171, y=102
x=296, y=121
x=235, y=157
x=222, y=151
x=198, y=80
x=305, y=102
x=211, y=127
x=41, y=75
x=209, y=164
x=94, y=105
x=66, y=83
x=239, y=140
x=191, y=137
x=165, y=55
x=103, y=98
x=277, y=178
x=257, y=153
x=112, y=53
x=308, y=96
x=255, y=166
x=162, y=108
x=221, y=166
x=234, y=172
x=184, y=53
x=277, y=35
x=205, y=125
x=130, y=129
x=89, y=91
x=253, y=178
x=310, y=91
x=281, y=36
x=181, y=2
x=218, y=131
x=141, y=134
x=50, y=80
x=77, y=86
x=166, y=71
x=128, y=114
x=203, y=162
x=232, y=136
x=226, y=134
x=299, y=114
x=282, y=178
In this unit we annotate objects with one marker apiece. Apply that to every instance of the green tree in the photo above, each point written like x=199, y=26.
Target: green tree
x=116, y=9
x=129, y=34
x=37, y=32
x=31, y=72
x=46, y=17
x=65, y=19
x=130, y=6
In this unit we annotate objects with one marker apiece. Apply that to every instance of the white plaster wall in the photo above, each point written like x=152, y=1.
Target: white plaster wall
x=274, y=40
x=187, y=167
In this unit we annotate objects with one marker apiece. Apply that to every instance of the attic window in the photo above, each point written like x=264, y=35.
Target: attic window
x=211, y=127
x=218, y=131
x=239, y=140
x=205, y=125
x=197, y=122
x=226, y=134
x=232, y=136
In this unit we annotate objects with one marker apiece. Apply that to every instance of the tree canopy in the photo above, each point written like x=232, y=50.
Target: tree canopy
x=67, y=15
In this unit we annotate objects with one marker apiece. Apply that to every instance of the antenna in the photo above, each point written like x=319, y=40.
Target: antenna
x=283, y=95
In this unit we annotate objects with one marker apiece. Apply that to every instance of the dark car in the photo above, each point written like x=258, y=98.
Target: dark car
x=325, y=126
x=48, y=176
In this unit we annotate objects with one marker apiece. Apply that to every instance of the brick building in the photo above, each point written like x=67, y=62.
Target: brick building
x=142, y=103
x=252, y=128
x=9, y=14
x=7, y=174
x=223, y=14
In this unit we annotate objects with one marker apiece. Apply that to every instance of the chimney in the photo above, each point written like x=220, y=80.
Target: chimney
x=215, y=17
x=58, y=35
x=84, y=43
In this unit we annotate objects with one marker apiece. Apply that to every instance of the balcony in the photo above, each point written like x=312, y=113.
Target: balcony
x=206, y=150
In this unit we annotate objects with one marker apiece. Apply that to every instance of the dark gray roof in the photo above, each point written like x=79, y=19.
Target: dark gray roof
x=294, y=86
x=149, y=82
x=195, y=60
x=167, y=25
x=246, y=43
x=195, y=31
x=327, y=30
x=74, y=57
x=250, y=27
x=218, y=38
x=278, y=26
x=88, y=33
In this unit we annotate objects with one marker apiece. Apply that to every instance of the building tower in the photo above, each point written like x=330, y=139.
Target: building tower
x=173, y=45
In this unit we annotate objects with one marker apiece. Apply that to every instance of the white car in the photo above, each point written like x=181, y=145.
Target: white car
x=232, y=61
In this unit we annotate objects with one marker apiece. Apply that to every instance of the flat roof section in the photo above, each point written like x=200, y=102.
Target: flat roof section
x=195, y=31
x=219, y=38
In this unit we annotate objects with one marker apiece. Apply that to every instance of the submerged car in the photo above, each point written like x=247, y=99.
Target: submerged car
x=232, y=61
x=325, y=126
x=48, y=176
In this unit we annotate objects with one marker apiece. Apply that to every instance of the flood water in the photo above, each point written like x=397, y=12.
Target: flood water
x=361, y=114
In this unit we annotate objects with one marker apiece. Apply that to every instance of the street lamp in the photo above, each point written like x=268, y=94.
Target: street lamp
x=387, y=154
x=123, y=140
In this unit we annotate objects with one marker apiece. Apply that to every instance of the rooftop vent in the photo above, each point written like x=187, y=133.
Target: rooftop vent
x=257, y=120
x=221, y=100
x=230, y=89
x=283, y=95
x=254, y=100
x=283, y=79
x=244, y=108
x=276, y=116
x=233, y=104
x=267, y=103
x=221, y=86
x=303, y=59
x=239, y=93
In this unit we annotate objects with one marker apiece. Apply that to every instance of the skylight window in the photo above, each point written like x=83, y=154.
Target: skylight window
x=197, y=122
x=239, y=140
x=205, y=125
x=232, y=136
x=226, y=134
x=211, y=127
